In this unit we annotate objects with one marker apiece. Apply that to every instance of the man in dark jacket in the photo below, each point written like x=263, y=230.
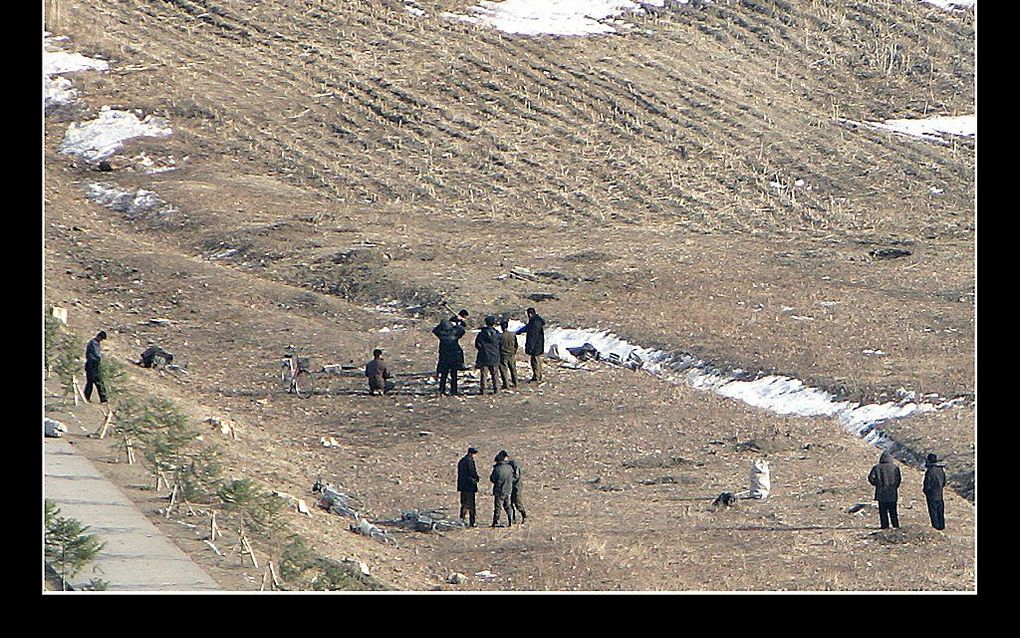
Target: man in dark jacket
x=934, y=482
x=451, y=355
x=515, y=494
x=502, y=478
x=467, y=484
x=93, y=357
x=886, y=478
x=507, y=355
x=377, y=374
x=534, y=345
x=487, y=343
x=460, y=318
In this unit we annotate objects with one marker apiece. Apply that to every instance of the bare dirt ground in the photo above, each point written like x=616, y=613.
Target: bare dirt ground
x=354, y=156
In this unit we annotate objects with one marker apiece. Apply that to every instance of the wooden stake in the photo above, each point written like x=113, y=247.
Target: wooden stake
x=213, y=530
x=130, y=450
x=77, y=391
x=106, y=423
x=246, y=549
x=173, y=496
x=262, y=587
x=276, y=583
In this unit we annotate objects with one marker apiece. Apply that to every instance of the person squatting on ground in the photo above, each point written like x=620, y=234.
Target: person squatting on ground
x=507, y=355
x=487, y=343
x=534, y=345
x=502, y=479
x=93, y=357
x=451, y=355
x=467, y=484
x=885, y=476
x=516, y=502
x=377, y=374
x=934, y=482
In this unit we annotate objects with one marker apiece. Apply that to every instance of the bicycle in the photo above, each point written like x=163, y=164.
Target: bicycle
x=295, y=375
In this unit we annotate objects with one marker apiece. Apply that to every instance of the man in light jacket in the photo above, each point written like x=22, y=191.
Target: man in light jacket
x=886, y=478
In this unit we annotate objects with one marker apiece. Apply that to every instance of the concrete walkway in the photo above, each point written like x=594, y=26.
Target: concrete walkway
x=137, y=557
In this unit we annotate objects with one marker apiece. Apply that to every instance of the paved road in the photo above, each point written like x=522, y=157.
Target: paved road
x=137, y=557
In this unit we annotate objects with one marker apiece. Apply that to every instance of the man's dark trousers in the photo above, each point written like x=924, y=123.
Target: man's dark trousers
x=504, y=502
x=937, y=513
x=452, y=374
x=92, y=379
x=887, y=512
x=467, y=506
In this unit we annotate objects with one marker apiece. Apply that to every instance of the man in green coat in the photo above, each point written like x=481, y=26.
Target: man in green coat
x=502, y=479
x=507, y=355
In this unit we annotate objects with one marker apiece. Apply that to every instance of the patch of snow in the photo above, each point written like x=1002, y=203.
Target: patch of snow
x=953, y=5
x=554, y=17
x=130, y=202
x=414, y=9
x=931, y=129
x=103, y=136
x=58, y=90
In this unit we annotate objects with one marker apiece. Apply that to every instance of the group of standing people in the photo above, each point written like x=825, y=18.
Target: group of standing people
x=885, y=476
x=496, y=349
x=506, y=488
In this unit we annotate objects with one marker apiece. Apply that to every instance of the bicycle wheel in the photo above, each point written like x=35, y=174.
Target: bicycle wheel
x=304, y=384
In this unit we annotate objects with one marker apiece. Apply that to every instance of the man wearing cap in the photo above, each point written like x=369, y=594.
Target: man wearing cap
x=885, y=476
x=467, y=484
x=93, y=358
x=451, y=355
x=534, y=345
x=487, y=342
x=502, y=479
x=934, y=482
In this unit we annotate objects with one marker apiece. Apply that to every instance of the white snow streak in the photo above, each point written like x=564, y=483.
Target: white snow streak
x=777, y=394
x=553, y=17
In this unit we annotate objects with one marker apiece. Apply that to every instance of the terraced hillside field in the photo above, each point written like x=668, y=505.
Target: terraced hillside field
x=702, y=181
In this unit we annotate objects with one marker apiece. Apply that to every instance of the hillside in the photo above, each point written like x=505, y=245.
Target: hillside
x=703, y=179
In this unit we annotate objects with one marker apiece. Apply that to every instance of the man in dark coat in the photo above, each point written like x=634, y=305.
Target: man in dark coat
x=487, y=343
x=534, y=345
x=934, y=482
x=467, y=484
x=93, y=357
x=507, y=355
x=451, y=355
x=502, y=479
x=886, y=478
x=516, y=501
x=377, y=374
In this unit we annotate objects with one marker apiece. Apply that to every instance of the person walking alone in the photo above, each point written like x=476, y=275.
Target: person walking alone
x=885, y=476
x=467, y=484
x=502, y=479
x=534, y=345
x=934, y=482
x=487, y=342
x=451, y=355
x=93, y=359
x=507, y=355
